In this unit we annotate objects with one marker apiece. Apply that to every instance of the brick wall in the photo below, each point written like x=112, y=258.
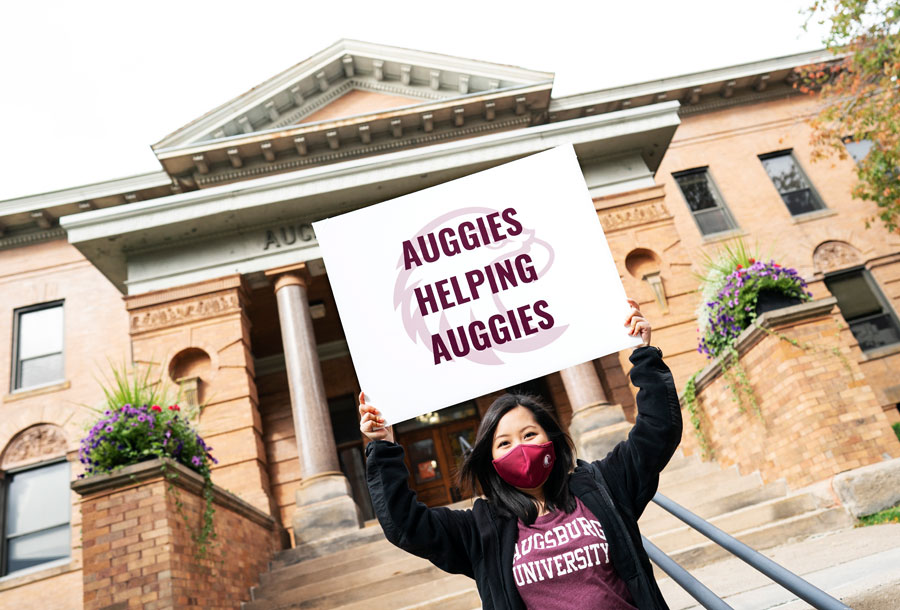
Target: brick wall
x=138, y=550
x=819, y=417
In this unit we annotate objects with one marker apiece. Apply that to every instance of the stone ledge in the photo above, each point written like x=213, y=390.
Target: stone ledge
x=187, y=479
x=769, y=320
x=867, y=490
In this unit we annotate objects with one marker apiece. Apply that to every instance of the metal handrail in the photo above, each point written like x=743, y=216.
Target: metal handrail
x=694, y=587
x=804, y=590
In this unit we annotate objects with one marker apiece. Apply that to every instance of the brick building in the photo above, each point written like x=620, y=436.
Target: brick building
x=209, y=272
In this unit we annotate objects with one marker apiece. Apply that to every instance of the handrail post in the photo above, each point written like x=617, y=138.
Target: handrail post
x=685, y=579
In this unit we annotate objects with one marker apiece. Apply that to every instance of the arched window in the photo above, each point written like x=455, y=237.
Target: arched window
x=35, y=500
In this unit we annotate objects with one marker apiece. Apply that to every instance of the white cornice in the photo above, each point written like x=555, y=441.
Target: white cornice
x=85, y=192
x=687, y=81
x=326, y=58
x=107, y=236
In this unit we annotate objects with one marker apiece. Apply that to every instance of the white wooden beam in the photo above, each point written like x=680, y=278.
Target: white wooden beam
x=234, y=156
x=459, y=116
x=130, y=197
x=200, y=163
x=728, y=88
x=693, y=96
x=427, y=122
x=42, y=218
x=245, y=124
x=463, y=84
x=405, y=74
x=272, y=110
x=397, y=128
x=267, y=151
x=334, y=141
x=300, y=145
x=493, y=84
x=434, y=79
x=347, y=63
x=365, y=134
x=762, y=82
x=490, y=111
x=296, y=95
x=323, y=81
x=520, y=105
x=378, y=69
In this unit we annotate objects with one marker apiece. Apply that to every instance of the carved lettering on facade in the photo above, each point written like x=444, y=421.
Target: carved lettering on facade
x=834, y=255
x=37, y=443
x=288, y=235
x=180, y=313
x=633, y=215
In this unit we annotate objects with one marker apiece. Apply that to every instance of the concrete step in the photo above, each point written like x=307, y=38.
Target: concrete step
x=755, y=515
x=343, y=561
x=766, y=536
x=655, y=519
x=448, y=592
x=686, y=470
x=321, y=548
x=339, y=582
x=711, y=486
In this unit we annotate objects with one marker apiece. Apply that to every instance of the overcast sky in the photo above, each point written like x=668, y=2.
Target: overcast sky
x=88, y=86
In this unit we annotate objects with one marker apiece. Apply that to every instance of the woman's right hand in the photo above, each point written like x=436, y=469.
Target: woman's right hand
x=371, y=423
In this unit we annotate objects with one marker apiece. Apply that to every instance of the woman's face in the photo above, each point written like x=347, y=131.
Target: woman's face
x=517, y=427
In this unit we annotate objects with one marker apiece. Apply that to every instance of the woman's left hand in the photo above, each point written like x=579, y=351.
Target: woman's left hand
x=637, y=322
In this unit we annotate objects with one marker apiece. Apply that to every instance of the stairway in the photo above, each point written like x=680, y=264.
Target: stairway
x=760, y=515
x=362, y=570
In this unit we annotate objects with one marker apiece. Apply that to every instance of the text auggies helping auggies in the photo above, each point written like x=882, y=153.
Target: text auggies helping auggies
x=471, y=285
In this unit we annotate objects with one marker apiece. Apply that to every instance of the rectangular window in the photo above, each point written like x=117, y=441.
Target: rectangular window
x=865, y=309
x=38, y=338
x=791, y=183
x=705, y=201
x=36, y=515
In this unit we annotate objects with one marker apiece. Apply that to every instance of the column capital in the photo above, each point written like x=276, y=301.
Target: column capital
x=290, y=275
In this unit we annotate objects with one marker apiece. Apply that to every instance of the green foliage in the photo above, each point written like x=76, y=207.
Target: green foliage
x=888, y=515
x=859, y=95
x=896, y=427
x=693, y=409
x=135, y=427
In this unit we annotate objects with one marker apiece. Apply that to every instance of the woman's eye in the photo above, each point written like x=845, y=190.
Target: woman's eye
x=530, y=434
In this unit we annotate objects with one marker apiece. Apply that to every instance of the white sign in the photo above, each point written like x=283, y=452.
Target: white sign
x=474, y=285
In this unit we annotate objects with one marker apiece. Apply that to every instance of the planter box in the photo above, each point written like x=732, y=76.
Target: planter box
x=138, y=551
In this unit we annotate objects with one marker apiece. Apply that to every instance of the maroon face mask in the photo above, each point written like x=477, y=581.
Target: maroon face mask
x=526, y=466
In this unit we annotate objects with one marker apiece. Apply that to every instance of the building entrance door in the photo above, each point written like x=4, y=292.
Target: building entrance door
x=434, y=454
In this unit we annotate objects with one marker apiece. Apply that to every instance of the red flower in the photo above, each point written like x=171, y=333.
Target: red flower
x=739, y=267
x=752, y=260
x=174, y=408
x=156, y=408
x=776, y=265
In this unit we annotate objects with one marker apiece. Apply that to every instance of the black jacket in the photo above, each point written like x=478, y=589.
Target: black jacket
x=480, y=543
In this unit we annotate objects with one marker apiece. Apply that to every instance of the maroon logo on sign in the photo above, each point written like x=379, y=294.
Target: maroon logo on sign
x=423, y=296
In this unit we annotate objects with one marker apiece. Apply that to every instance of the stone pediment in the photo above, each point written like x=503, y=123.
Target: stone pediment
x=307, y=88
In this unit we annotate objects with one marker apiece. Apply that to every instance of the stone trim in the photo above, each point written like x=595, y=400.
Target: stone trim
x=639, y=195
x=633, y=215
x=158, y=297
x=47, y=389
x=35, y=237
x=173, y=314
x=771, y=319
x=187, y=479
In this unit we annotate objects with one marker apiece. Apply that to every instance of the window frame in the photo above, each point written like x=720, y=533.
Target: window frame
x=882, y=300
x=717, y=195
x=789, y=152
x=4, y=495
x=16, y=361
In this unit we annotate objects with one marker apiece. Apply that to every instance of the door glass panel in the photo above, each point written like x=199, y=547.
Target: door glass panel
x=40, y=332
x=41, y=370
x=424, y=460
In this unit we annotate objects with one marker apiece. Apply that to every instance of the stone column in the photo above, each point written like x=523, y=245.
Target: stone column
x=324, y=504
x=596, y=426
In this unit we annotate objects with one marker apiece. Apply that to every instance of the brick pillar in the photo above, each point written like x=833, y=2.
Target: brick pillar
x=596, y=426
x=208, y=320
x=817, y=414
x=325, y=505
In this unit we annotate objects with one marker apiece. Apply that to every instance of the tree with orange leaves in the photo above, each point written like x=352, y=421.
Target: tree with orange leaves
x=860, y=95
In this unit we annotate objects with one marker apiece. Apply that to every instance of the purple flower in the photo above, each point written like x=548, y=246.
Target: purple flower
x=142, y=418
x=195, y=460
x=109, y=428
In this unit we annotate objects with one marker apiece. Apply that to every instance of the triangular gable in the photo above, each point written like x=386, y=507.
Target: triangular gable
x=356, y=102
x=314, y=84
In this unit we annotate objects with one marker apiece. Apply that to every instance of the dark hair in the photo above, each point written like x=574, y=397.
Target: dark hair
x=478, y=472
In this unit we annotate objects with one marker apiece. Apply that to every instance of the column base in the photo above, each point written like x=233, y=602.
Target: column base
x=325, y=508
x=597, y=429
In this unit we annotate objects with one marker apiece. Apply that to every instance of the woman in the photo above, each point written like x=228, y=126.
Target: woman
x=549, y=533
